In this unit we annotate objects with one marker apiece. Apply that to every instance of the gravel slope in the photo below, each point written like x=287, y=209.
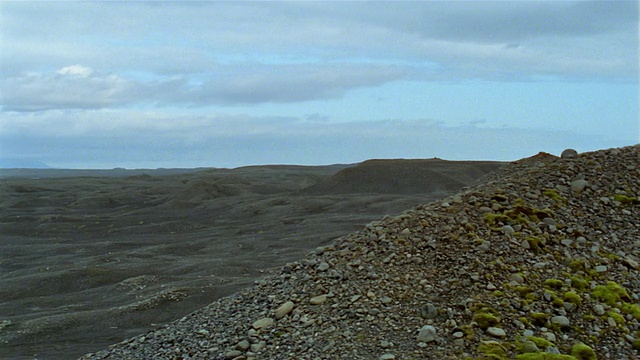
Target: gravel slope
x=539, y=261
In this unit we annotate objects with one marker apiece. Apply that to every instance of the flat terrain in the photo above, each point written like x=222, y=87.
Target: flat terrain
x=91, y=258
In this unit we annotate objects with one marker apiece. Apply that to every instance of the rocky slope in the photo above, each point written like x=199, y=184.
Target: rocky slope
x=539, y=261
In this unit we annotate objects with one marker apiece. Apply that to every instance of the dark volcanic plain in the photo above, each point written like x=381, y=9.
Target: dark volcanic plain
x=90, y=258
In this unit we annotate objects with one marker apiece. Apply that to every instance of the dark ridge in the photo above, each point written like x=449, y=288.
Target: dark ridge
x=401, y=176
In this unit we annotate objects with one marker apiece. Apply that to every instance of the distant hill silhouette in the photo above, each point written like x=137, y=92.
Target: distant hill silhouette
x=22, y=164
x=401, y=176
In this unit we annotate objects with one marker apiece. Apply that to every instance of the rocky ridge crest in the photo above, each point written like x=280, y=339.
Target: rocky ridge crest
x=538, y=261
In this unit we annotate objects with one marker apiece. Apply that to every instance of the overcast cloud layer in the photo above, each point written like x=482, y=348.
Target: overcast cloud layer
x=163, y=84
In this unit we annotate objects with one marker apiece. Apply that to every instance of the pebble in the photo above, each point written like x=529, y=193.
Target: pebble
x=496, y=332
x=561, y=321
x=427, y=334
x=262, y=323
x=429, y=311
x=284, y=310
x=387, y=357
x=317, y=300
x=579, y=185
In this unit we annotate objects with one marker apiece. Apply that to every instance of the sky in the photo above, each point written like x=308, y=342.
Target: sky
x=151, y=84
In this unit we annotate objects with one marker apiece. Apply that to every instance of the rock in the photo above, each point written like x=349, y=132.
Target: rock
x=579, y=185
x=243, y=345
x=529, y=347
x=496, y=332
x=387, y=357
x=427, y=334
x=569, y=154
x=323, y=266
x=262, y=323
x=598, y=309
x=283, y=310
x=232, y=354
x=508, y=229
x=561, y=321
x=428, y=311
x=517, y=278
x=317, y=300
x=601, y=268
x=630, y=262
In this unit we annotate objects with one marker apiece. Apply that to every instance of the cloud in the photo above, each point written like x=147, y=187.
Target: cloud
x=68, y=87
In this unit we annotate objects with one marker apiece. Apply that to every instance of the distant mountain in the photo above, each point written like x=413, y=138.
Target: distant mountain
x=22, y=164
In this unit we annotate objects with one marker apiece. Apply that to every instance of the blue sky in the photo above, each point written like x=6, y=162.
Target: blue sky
x=225, y=84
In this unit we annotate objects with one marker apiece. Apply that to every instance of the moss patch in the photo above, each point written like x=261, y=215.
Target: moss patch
x=610, y=294
x=583, y=352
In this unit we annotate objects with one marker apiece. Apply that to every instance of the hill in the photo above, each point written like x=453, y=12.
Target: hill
x=540, y=261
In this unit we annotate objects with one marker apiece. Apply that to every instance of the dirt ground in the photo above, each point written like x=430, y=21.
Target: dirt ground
x=90, y=258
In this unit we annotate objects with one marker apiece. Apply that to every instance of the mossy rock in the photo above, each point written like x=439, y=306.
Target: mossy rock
x=633, y=309
x=539, y=318
x=610, y=294
x=626, y=200
x=581, y=351
x=579, y=283
x=619, y=319
x=573, y=298
x=544, y=356
x=492, y=350
x=554, y=283
x=555, y=196
x=485, y=320
x=540, y=342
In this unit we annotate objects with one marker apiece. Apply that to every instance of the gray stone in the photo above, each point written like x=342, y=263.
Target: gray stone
x=561, y=321
x=429, y=311
x=508, y=229
x=529, y=347
x=569, y=154
x=243, y=345
x=427, y=334
x=496, y=332
x=317, y=300
x=598, y=309
x=579, y=185
x=387, y=357
x=262, y=323
x=283, y=310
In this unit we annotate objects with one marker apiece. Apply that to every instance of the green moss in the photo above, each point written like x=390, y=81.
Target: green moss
x=577, y=265
x=633, y=309
x=544, y=356
x=583, y=352
x=535, y=244
x=557, y=302
x=523, y=290
x=626, y=200
x=554, y=195
x=635, y=344
x=540, y=342
x=579, y=283
x=539, y=318
x=610, y=294
x=619, y=319
x=573, y=298
x=492, y=350
x=553, y=283
x=485, y=320
x=492, y=218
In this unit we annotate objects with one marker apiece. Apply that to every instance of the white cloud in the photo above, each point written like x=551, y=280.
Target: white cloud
x=78, y=70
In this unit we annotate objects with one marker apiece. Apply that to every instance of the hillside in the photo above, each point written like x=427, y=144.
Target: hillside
x=540, y=261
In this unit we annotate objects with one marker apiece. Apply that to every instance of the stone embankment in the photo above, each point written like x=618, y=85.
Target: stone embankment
x=538, y=261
